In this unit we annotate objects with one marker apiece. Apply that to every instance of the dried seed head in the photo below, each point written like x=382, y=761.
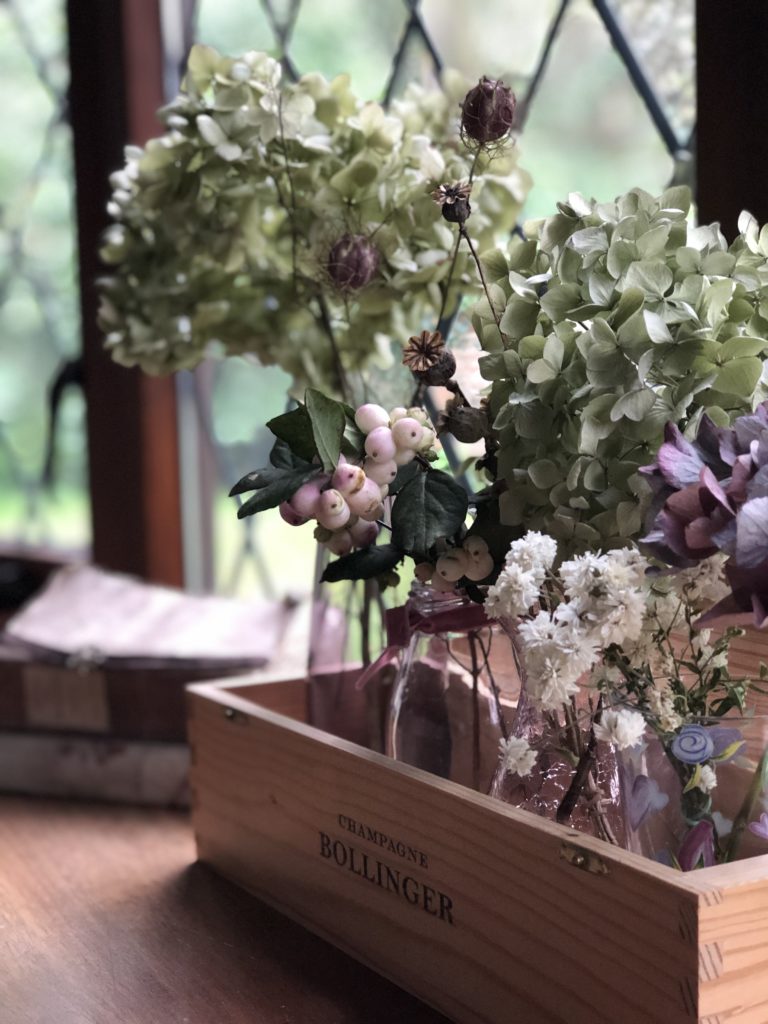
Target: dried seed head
x=442, y=372
x=453, y=201
x=488, y=111
x=352, y=262
x=423, y=351
x=466, y=423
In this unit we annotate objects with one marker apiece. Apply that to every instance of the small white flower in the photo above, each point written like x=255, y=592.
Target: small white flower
x=707, y=778
x=622, y=728
x=513, y=594
x=535, y=553
x=662, y=705
x=517, y=757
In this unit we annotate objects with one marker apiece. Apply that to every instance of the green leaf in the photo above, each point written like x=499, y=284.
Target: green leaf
x=544, y=473
x=540, y=371
x=295, y=428
x=740, y=347
x=272, y=486
x=364, y=564
x=739, y=377
x=328, y=422
x=282, y=457
x=430, y=506
x=634, y=405
x=404, y=474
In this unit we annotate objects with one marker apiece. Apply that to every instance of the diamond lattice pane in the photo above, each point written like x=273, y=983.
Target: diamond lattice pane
x=588, y=129
x=39, y=321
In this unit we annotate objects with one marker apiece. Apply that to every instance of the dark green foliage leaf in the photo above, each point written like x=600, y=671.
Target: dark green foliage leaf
x=328, y=422
x=272, y=485
x=404, y=474
x=364, y=564
x=295, y=428
x=282, y=457
x=353, y=441
x=431, y=505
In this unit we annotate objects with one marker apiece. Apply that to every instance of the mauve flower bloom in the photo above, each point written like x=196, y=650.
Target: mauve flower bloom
x=698, y=847
x=760, y=827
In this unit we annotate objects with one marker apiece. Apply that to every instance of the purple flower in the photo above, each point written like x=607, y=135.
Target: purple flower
x=693, y=744
x=698, y=847
x=645, y=798
x=726, y=743
x=760, y=828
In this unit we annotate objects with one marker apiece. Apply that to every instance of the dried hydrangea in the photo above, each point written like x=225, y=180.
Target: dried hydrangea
x=226, y=228
x=617, y=318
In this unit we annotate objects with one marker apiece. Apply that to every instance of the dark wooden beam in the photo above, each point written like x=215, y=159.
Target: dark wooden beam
x=732, y=114
x=116, y=62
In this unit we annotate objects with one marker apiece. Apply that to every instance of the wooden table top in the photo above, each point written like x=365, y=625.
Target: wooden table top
x=106, y=919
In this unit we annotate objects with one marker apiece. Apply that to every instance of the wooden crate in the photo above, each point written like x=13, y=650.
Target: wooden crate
x=490, y=914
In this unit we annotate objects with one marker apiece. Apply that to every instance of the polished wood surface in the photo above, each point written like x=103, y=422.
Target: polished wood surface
x=106, y=919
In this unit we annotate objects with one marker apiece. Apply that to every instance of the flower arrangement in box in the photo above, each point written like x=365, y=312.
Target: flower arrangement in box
x=617, y=504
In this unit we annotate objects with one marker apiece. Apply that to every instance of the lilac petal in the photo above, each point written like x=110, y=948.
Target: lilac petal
x=749, y=429
x=757, y=486
x=686, y=503
x=711, y=493
x=673, y=530
x=752, y=533
x=678, y=460
x=698, y=537
x=639, y=801
x=728, y=612
x=727, y=448
x=725, y=538
x=760, y=827
x=739, y=487
x=723, y=737
x=698, y=847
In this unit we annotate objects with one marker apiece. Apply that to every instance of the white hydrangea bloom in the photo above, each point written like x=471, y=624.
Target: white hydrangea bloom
x=534, y=553
x=557, y=651
x=704, y=584
x=513, y=594
x=517, y=757
x=707, y=778
x=622, y=728
x=662, y=705
x=609, y=592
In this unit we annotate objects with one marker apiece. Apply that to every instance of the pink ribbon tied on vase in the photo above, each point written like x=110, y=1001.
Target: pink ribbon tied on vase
x=405, y=620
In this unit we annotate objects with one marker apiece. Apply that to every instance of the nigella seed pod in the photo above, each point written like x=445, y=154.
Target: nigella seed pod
x=443, y=370
x=488, y=111
x=352, y=262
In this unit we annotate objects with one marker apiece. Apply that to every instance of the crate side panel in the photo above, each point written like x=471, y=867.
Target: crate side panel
x=468, y=907
x=733, y=931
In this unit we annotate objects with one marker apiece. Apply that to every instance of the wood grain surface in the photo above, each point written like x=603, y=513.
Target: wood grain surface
x=105, y=919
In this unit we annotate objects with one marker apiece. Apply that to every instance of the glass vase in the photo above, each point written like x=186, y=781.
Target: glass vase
x=699, y=796
x=347, y=634
x=455, y=687
x=575, y=778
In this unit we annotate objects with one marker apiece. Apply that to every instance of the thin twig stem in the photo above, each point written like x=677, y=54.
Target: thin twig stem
x=464, y=234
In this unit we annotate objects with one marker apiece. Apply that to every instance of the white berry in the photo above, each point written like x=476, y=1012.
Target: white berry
x=370, y=416
x=407, y=433
x=364, y=501
x=380, y=445
x=428, y=438
x=419, y=415
x=398, y=413
x=452, y=565
x=404, y=456
x=478, y=568
x=424, y=572
x=380, y=472
x=475, y=547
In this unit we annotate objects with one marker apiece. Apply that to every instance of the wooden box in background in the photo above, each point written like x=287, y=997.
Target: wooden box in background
x=490, y=914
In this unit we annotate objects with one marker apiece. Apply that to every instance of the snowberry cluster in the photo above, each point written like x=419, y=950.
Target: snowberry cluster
x=472, y=560
x=347, y=504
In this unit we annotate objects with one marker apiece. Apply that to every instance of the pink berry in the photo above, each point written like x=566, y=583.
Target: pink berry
x=370, y=416
x=381, y=472
x=340, y=543
x=348, y=478
x=364, y=501
x=364, y=534
x=380, y=445
x=307, y=499
x=333, y=511
x=404, y=456
x=290, y=515
x=407, y=433
x=453, y=565
x=374, y=513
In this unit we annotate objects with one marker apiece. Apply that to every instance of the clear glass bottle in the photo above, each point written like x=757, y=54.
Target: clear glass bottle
x=347, y=634
x=575, y=779
x=455, y=688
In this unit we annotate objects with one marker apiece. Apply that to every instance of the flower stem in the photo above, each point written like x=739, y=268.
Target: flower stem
x=463, y=233
x=745, y=811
